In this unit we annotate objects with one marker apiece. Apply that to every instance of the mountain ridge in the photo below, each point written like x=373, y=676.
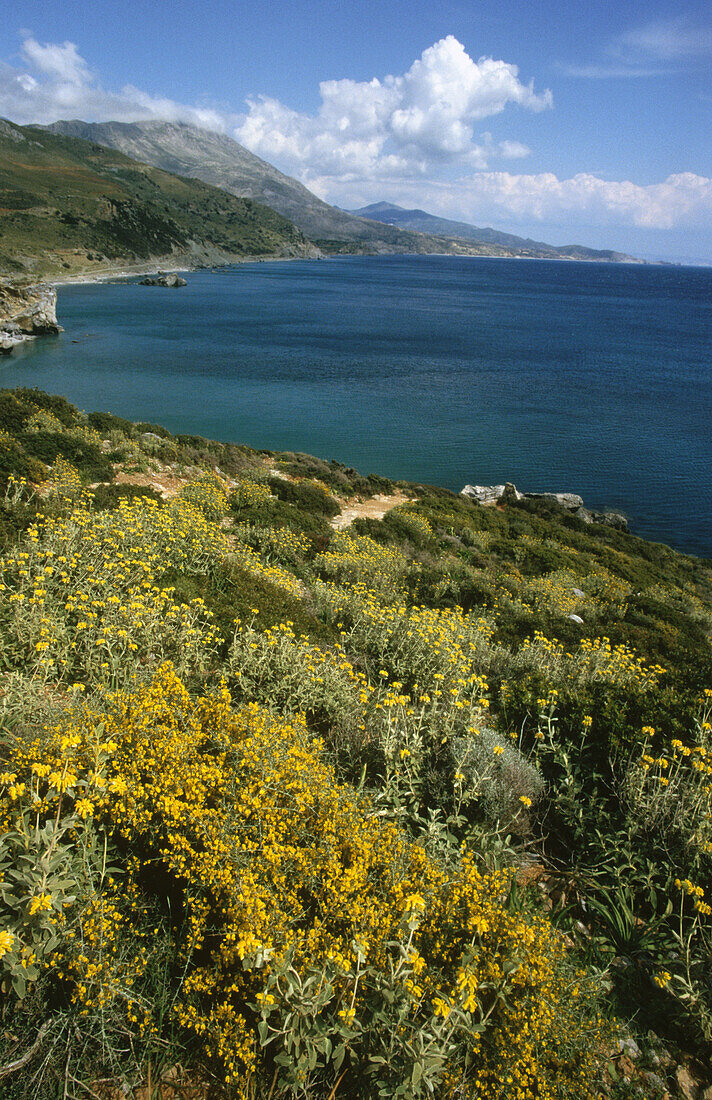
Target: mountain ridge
x=423, y=222
x=221, y=161
x=70, y=207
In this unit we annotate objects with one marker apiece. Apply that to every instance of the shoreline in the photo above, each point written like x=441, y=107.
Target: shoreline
x=129, y=271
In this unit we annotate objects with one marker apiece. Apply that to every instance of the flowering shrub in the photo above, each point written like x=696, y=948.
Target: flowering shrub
x=283, y=874
x=359, y=560
x=209, y=493
x=81, y=599
x=248, y=494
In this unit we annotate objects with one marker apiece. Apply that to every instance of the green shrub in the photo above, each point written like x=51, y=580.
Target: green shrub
x=305, y=496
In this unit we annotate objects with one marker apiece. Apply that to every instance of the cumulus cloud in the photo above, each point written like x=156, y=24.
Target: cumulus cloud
x=56, y=82
x=399, y=125
x=401, y=138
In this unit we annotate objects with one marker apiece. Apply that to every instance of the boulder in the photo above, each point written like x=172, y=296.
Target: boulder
x=510, y=494
x=575, y=619
x=571, y=501
x=612, y=519
x=162, y=280
x=491, y=494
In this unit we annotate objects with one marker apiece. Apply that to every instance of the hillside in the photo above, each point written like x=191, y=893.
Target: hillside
x=296, y=807
x=422, y=222
x=222, y=162
x=67, y=206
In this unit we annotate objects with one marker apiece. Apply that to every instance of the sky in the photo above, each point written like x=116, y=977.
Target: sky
x=586, y=121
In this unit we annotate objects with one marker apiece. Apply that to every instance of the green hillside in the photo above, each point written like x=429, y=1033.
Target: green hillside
x=221, y=161
x=296, y=808
x=68, y=206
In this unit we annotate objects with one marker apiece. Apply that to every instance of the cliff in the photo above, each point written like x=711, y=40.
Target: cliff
x=26, y=312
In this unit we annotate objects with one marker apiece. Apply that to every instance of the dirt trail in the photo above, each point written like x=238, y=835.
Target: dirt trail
x=372, y=508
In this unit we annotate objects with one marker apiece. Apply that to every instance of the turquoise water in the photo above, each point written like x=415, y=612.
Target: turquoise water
x=589, y=378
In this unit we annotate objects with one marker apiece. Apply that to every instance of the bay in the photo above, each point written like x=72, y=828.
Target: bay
x=586, y=378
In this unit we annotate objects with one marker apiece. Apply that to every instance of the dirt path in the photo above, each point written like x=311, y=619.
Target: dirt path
x=373, y=508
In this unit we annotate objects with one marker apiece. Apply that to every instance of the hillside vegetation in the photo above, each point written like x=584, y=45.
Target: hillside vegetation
x=296, y=812
x=67, y=206
x=219, y=160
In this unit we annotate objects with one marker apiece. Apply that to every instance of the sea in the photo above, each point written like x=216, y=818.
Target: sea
x=558, y=376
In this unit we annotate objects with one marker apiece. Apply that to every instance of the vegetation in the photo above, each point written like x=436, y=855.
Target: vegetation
x=288, y=811
x=68, y=205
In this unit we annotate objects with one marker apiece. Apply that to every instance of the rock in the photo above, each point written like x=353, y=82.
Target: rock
x=492, y=494
x=654, y=1081
x=150, y=437
x=687, y=1084
x=483, y=494
x=612, y=519
x=579, y=592
x=26, y=312
x=571, y=501
x=575, y=619
x=510, y=494
x=630, y=1047
x=162, y=280
x=626, y=1066
x=9, y=131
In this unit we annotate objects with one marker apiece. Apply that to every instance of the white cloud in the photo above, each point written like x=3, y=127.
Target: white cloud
x=60, y=62
x=683, y=200
x=665, y=40
x=399, y=138
x=607, y=72
x=654, y=49
x=61, y=85
x=396, y=127
x=401, y=125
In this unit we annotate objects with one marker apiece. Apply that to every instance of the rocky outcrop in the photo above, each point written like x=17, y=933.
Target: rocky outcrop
x=162, y=280
x=490, y=494
x=567, y=500
x=26, y=312
x=608, y=519
x=570, y=502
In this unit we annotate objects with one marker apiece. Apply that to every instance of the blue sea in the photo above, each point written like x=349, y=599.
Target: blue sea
x=586, y=378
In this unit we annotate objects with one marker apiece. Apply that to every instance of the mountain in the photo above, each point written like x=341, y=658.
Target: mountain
x=69, y=206
x=222, y=162
x=422, y=222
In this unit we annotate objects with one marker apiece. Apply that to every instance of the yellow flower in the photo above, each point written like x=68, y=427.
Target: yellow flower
x=7, y=942
x=40, y=903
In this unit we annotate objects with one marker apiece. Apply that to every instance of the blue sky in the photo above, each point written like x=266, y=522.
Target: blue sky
x=566, y=121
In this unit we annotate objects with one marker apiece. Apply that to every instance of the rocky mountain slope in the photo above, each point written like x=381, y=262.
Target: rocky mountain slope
x=422, y=222
x=68, y=207
x=222, y=162
x=381, y=227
